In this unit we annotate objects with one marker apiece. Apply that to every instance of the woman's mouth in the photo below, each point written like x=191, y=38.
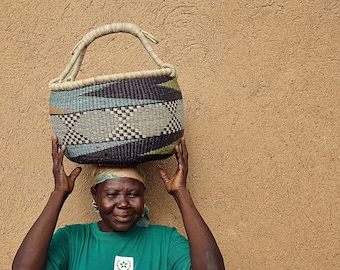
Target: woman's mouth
x=124, y=218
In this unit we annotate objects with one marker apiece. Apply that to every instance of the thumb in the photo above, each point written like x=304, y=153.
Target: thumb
x=75, y=173
x=163, y=174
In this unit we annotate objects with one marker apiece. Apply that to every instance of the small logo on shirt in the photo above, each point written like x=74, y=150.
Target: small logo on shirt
x=123, y=263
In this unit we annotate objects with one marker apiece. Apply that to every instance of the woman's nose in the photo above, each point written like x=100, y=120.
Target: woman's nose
x=123, y=201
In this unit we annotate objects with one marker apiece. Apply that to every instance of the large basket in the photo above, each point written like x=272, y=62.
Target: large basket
x=117, y=119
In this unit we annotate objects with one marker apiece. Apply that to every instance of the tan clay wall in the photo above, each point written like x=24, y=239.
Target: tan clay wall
x=260, y=80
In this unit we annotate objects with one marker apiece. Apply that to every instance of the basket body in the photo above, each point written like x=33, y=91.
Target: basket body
x=120, y=122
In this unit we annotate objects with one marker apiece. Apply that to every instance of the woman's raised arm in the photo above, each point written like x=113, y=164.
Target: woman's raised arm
x=204, y=251
x=33, y=251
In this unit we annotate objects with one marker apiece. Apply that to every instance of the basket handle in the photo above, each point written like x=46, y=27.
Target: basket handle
x=79, y=50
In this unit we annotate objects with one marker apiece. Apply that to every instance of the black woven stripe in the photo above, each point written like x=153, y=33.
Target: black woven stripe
x=130, y=153
x=139, y=88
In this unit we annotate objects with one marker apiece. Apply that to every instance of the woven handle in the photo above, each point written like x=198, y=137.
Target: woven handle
x=80, y=49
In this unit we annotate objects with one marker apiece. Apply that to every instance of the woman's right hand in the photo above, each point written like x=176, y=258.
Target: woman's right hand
x=63, y=183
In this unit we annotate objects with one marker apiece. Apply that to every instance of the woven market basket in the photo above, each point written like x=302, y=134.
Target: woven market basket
x=117, y=119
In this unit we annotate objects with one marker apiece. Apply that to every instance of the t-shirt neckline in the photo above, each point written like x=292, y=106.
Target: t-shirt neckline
x=112, y=235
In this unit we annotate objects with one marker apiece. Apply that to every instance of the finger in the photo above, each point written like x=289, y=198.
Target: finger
x=178, y=152
x=75, y=173
x=184, y=149
x=54, y=140
x=62, y=150
x=179, y=155
x=183, y=145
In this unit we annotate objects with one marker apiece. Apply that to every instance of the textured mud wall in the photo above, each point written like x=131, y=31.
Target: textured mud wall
x=260, y=81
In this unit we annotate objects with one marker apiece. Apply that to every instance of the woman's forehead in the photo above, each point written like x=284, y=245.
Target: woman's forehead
x=121, y=183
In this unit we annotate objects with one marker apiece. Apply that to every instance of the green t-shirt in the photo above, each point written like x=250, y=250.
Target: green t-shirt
x=85, y=247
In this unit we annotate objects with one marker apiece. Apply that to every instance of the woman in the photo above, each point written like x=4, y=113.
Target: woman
x=119, y=198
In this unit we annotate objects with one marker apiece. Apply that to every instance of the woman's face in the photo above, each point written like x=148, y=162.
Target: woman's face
x=120, y=203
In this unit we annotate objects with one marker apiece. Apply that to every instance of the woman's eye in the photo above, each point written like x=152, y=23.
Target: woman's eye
x=115, y=195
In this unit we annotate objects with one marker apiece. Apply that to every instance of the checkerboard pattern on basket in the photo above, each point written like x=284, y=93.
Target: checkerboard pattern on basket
x=120, y=122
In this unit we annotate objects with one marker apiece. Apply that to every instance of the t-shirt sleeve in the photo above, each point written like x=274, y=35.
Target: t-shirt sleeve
x=58, y=251
x=179, y=252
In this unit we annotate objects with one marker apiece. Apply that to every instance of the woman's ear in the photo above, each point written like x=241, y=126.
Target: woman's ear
x=94, y=193
x=94, y=196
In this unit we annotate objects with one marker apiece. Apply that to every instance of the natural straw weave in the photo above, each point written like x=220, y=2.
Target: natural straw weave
x=117, y=119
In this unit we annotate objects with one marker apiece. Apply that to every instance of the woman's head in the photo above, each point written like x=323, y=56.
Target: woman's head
x=119, y=194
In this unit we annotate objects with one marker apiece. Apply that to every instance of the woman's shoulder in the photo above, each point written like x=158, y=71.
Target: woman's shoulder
x=76, y=228
x=161, y=230
x=79, y=225
x=159, y=227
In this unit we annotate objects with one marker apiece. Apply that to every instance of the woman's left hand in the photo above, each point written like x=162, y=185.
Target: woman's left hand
x=178, y=181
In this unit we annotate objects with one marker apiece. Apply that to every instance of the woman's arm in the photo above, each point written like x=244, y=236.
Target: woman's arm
x=204, y=251
x=33, y=251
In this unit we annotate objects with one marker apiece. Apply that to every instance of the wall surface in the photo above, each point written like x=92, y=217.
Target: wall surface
x=260, y=82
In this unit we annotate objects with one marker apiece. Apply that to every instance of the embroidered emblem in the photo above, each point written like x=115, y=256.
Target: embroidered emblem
x=123, y=263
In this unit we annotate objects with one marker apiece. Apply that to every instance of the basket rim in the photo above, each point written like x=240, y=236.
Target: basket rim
x=57, y=85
